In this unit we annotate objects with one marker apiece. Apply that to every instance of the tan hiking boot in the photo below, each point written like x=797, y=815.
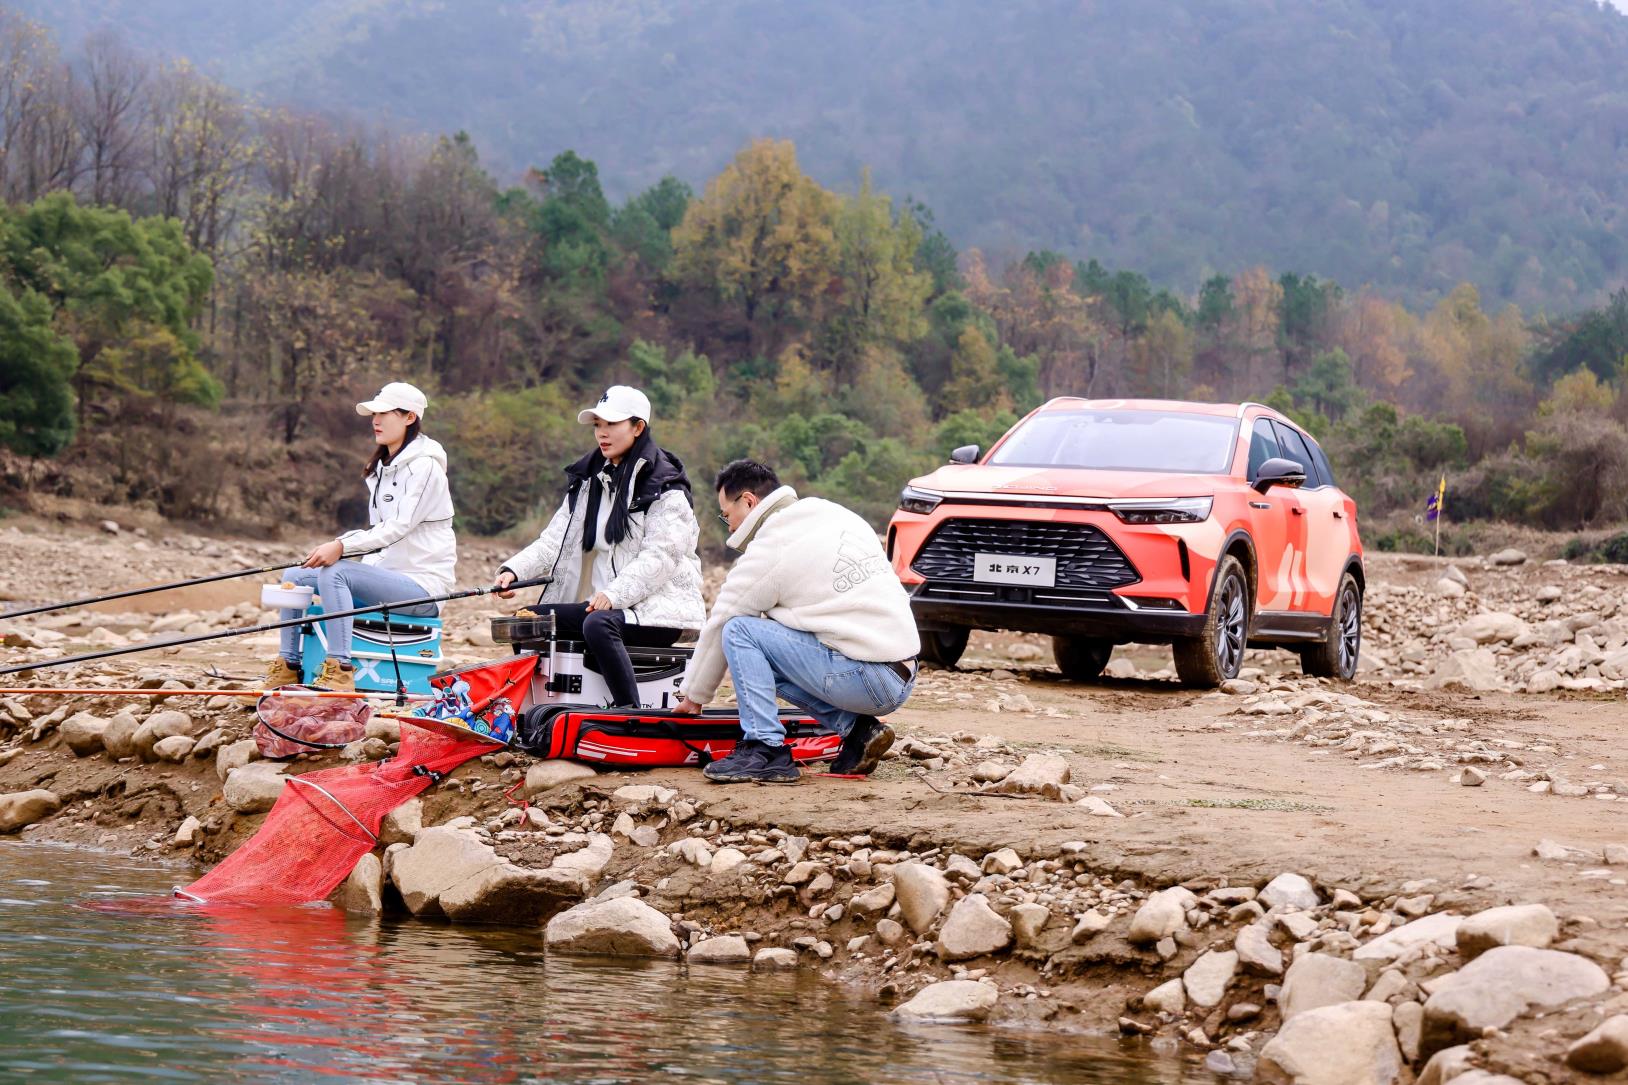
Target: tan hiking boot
x=280, y=673
x=334, y=677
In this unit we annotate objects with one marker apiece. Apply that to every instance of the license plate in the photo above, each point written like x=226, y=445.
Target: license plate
x=1009, y=569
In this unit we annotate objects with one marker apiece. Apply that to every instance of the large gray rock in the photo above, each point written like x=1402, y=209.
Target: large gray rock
x=922, y=893
x=973, y=930
x=1474, y=669
x=1440, y=928
x=586, y=864
x=234, y=755
x=174, y=749
x=1499, y=986
x=775, y=959
x=1028, y=920
x=1315, y=980
x=403, y=824
x=546, y=775
x=620, y=927
x=363, y=891
x=1256, y=952
x=1161, y=915
x=1206, y=979
x=1496, y=628
x=1512, y=925
x=506, y=893
x=1289, y=892
x=83, y=733
x=1603, y=1051
x=119, y=736
x=440, y=858
x=169, y=723
x=724, y=949
x=1040, y=774
x=1169, y=997
x=254, y=788
x=951, y=1000
x=23, y=808
x=872, y=901
x=1349, y=1043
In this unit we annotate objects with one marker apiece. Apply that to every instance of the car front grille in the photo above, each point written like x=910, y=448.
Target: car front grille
x=1088, y=562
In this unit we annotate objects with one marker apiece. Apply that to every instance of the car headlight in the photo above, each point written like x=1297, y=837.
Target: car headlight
x=921, y=502
x=1176, y=510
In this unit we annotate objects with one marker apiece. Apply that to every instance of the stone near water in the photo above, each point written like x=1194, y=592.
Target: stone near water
x=973, y=929
x=725, y=860
x=119, y=736
x=1169, y=997
x=440, y=858
x=724, y=949
x=1512, y=925
x=1091, y=923
x=21, y=809
x=1040, y=774
x=890, y=931
x=159, y=726
x=1207, y=978
x=232, y=756
x=175, y=749
x=1289, y=892
x=586, y=864
x=255, y=787
x=1256, y=952
x=1603, y=1051
x=873, y=901
x=1348, y=1043
x=1161, y=915
x=214, y=740
x=623, y=927
x=83, y=733
x=403, y=824
x=775, y=959
x=188, y=833
x=1003, y=861
x=1441, y=928
x=547, y=775
x=922, y=894
x=1315, y=980
x=951, y=1000
x=1499, y=986
x=362, y=892
x=1028, y=920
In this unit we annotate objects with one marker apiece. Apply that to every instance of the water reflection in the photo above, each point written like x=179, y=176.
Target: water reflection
x=101, y=985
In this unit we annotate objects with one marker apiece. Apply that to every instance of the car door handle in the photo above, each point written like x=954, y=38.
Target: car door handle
x=1260, y=504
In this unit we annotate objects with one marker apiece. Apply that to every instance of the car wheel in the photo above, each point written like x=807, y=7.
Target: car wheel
x=1212, y=657
x=1081, y=659
x=943, y=647
x=1335, y=656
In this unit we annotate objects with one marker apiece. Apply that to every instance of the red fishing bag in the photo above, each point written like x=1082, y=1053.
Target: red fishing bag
x=647, y=739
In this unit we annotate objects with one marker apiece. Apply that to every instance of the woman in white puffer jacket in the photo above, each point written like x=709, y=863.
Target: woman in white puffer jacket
x=622, y=547
x=408, y=550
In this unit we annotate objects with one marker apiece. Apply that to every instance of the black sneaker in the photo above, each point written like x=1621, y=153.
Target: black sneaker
x=862, y=747
x=754, y=762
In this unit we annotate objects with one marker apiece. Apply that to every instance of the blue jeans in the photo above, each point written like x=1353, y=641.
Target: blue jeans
x=344, y=585
x=768, y=659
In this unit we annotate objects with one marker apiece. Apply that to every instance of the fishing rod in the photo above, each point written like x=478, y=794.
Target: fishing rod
x=243, y=631
x=46, y=608
x=284, y=691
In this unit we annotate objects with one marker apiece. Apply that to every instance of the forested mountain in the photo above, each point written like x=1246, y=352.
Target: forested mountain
x=1411, y=146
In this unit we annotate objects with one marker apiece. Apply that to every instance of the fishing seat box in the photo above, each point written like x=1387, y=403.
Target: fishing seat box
x=415, y=632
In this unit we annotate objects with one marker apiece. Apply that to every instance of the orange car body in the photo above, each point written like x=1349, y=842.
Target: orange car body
x=966, y=538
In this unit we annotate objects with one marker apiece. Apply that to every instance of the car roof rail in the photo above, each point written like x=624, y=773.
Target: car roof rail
x=1244, y=406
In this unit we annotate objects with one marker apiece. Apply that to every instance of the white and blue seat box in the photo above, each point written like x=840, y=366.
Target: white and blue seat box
x=415, y=637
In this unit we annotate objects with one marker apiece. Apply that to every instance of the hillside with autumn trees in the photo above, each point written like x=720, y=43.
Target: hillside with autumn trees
x=194, y=289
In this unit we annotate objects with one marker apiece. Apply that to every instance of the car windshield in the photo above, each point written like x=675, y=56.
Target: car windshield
x=1200, y=444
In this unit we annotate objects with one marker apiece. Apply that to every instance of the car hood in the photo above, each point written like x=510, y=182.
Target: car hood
x=1066, y=482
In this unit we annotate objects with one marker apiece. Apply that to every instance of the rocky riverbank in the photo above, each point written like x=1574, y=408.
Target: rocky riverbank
x=1290, y=879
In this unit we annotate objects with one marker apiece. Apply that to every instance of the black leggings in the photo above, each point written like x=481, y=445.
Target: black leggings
x=607, y=632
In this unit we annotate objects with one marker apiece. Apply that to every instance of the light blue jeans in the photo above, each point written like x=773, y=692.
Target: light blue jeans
x=345, y=585
x=768, y=659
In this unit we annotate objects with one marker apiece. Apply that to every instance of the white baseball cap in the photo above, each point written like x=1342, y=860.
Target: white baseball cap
x=618, y=404
x=395, y=396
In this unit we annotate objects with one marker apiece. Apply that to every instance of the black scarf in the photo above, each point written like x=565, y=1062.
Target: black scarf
x=663, y=471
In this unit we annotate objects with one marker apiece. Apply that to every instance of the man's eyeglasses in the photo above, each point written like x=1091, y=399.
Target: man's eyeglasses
x=722, y=519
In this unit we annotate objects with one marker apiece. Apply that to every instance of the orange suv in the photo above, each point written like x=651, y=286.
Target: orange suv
x=1208, y=527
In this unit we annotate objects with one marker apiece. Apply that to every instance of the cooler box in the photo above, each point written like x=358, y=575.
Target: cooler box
x=417, y=641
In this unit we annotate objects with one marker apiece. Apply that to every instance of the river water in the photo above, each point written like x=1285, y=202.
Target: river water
x=98, y=984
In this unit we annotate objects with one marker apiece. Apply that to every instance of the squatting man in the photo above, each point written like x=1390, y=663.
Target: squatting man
x=810, y=612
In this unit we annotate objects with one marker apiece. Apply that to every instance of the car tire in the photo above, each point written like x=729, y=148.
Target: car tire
x=1215, y=655
x=1081, y=659
x=1336, y=655
x=943, y=647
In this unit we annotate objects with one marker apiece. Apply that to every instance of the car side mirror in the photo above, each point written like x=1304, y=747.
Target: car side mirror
x=965, y=454
x=1279, y=472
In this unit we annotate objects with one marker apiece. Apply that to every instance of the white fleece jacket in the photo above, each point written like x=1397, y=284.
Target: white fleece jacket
x=409, y=511
x=812, y=565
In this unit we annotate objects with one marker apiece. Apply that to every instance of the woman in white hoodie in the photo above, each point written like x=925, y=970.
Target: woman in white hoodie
x=408, y=551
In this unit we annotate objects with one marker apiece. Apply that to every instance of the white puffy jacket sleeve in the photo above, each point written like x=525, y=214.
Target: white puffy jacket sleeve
x=538, y=559
x=670, y=535
x=426, y=491
x=751, y=589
